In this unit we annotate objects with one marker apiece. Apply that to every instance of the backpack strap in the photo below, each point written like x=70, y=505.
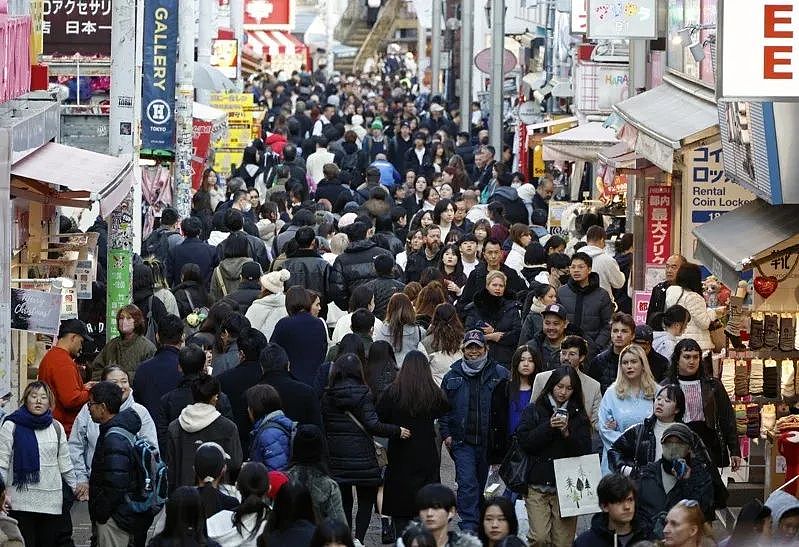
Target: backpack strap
x=221, y=281
x=188, y=297
x=123, y=433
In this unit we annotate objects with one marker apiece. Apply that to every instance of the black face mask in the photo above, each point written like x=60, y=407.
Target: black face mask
x=564, y=279
x=484, y=140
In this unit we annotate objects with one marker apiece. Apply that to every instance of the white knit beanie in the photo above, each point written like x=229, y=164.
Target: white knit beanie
x=273, y=281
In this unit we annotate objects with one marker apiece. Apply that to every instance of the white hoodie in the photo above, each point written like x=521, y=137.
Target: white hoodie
x=610, y=275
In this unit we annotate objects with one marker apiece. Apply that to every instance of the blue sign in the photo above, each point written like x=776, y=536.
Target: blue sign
x=158, y=74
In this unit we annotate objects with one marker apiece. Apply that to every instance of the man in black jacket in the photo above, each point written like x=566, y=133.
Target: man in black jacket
x=250, y=287
x=191, y=250
x=543, y=193
x=605, y=366
x=308, y=269
x=616, y=524
x=418, y=158
x=355, y=266
x=398, y=147
x=658, y=364
x=299, y=401
x=159, y=375
x=234, y=222
x=385, y=286
x=112, y=468
x=385, y=237
x=657, y=302
x=427, y=257
x=295, y=164
x=492, y=253
x=191, y=361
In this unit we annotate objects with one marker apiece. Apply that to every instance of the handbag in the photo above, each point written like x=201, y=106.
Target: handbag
x=717, y=335
x=515, y=467
x=380, y=451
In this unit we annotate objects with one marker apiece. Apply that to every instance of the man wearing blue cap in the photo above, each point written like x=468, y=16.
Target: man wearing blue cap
x=468, y=430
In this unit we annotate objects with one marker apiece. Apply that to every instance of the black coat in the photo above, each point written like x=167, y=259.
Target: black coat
x=423, y=168
x=477, y=282
x=331, y=190
x=502, y=314
x=589, y=309
x=300, y=403
x=246, y=293
x=604, y=368
x=144, y=298
x=657, y=302
x=352, y=459
x=111, y=476
x=389, y=242
x=308, y=270
x=190, y=290
x=414, y=462
x=299, y=534
x=156, y=377
x=545, y=444
x=196, y=251
x=599, y=535
x=384, y=287
x=353, y=267
x=235, y=382
x=418, y=262
x=515, y=209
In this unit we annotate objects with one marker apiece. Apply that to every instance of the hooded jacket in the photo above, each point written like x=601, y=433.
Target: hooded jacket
x=351, y=452
x=111, y=477
x=229, y=270
x=264, y=313
x=197, y=424
x=501, y=313
x=83, y=438
x=605, y=266
x=600, y=535
x=515, y=210
x=780, y=502
x=353, y=267
x=589, y=309
x=270, y=441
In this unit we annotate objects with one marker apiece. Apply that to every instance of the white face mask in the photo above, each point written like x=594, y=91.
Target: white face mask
x=246, y=207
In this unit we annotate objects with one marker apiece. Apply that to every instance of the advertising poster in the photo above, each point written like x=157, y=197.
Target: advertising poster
x=224, y=56
x=612, y=19
x=641, y=306
x=158, y=74
x=76, y=27
x=201, y=143
x=576, y=480
x=706, y=193
x=120, y=280
x=36, y=311
x=658, y=223
x=556, y=209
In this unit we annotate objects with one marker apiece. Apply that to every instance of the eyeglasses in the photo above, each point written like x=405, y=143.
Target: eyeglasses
x=689, y=503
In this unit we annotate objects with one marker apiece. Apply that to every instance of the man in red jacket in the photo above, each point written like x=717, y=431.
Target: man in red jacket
x=59, y=370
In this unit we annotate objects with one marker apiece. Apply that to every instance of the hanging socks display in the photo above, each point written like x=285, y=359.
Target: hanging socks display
x=788, y=378
x=756, y=377
x=768, y=419
x=771, y=331
x=756, y=331
x=728, y=376
x=752, y=420
x=787, y=332
x=740, y=419
x=741, y=378
x=771, y=379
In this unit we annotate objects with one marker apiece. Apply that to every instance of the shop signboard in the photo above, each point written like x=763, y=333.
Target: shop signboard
x=201, y=143
x=579, y=17
x=616, y=19
x=556, y=209
x=227, y=149
x=158, y=74
x=641, y=306
x=36, y=311
x=706, y=192
x=269, y=14
x=757, y=50
x=599, y=86
x=224, y=57
x=120, y=277
x=658, y=223
x=76, y=27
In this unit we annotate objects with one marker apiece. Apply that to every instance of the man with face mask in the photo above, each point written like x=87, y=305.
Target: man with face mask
x=682, y=473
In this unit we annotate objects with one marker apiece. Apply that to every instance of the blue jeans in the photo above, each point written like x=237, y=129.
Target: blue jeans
x=471, y=472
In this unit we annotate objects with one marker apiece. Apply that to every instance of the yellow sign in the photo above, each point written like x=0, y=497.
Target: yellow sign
x=224, y=159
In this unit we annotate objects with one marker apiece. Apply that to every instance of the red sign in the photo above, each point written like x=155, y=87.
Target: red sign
x=201, y=142
x=641, y=306
x=658, y=223
x=269, y=14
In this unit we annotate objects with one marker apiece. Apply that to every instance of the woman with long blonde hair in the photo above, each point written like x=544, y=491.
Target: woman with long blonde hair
x=628, y=400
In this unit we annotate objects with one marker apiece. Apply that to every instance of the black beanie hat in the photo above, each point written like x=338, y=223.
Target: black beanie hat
x=308, y=445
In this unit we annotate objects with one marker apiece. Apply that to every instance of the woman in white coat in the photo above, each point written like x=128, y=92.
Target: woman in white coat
x=34, y=460
x=687, y=292
x=521, y=237
x=264, y=313
x=84, y=434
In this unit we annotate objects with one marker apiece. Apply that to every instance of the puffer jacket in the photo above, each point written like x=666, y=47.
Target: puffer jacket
x=111, y=476
x=246, y=293
x=653, y=503
x=544, y=444
x=352, y=457
x=308, y=270
x=604, y=368
x=353, y=267
x=701, y=315
x=389, y=242
x=230, y=272
x=270, y=441
x=384, y=287
x=501, y=313
x=589, y=309
x=266, y=312
x=515, y=210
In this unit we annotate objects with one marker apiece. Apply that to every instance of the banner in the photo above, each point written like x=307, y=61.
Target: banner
x=658, y=224
x=641, y=306
x=576, y=480
x=36, y=311
x=158, y=74
x=613, y=19
x=201, y=142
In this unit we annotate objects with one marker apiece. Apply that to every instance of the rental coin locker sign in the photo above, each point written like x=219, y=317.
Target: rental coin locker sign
x=759, y=49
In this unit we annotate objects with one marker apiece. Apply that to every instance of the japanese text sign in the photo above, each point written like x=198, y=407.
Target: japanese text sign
x=757, y=48
x=658, y=222
x=77, y=26
x=158, y=74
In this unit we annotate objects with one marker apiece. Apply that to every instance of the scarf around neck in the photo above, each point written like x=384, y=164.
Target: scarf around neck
x=475, y=367
x=537, y=306
x=25, y=446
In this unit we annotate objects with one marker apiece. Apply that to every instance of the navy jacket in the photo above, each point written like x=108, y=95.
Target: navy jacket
x=156, y=377
x=456, y=385
x=112, y=476
x=192, y=250
x=300, y=403
x=304, y=338
x=234, y=383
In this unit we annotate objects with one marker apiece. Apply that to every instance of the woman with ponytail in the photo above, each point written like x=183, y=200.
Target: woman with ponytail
x=210, y=468
x=185, y=525
x=242, y=526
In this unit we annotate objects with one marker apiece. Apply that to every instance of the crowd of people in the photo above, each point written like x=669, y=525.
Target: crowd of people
x=368, y=289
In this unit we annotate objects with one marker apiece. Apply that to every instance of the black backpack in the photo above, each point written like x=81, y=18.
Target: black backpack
x=248, y=179
x=157, y=244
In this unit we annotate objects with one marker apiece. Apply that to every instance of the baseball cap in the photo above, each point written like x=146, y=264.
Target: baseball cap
x=74, y=326
x=474, y=337
x=644, y=332
x=555, y=309
x=251, y=270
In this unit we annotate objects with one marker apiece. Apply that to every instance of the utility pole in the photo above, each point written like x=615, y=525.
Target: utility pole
x=421, y=48
x=123, y=108
x=331, y=29
x=204, y=38
x=435, y=56
x=183, y=108
x=467, y=41
x=237, y=22
x=497, y=73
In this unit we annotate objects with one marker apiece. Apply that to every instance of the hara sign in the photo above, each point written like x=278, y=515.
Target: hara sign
x=758, y=50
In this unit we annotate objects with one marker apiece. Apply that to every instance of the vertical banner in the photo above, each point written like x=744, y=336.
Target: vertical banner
x=706, y=193
x=120, y=263
x=658, y=223
x=201, y=143
x=158, y=74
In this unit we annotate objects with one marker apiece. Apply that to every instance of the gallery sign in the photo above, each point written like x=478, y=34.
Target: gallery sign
x=616, y=19
x=757, y=48
x=158, y=74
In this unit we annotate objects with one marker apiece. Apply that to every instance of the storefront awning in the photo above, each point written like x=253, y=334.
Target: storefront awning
x=622, y=158
x=87, y=177
x=274, y=43
x=667, y=118
x=757, y=227
x=583, y=142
